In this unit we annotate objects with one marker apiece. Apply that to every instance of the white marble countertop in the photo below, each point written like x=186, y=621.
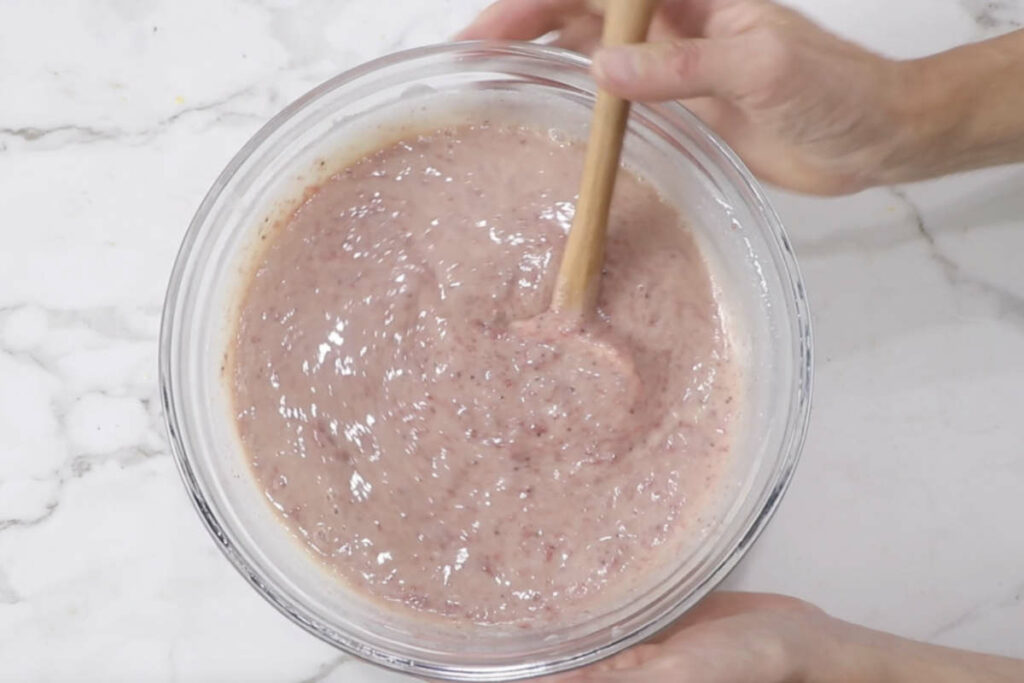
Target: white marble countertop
x=116, y=116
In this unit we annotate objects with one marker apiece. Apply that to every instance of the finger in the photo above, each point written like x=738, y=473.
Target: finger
x=690, y=17
x=582, y=35
x=725, y=604
x=729, y=637
x=719, y=116
x=700, y=620
x=626, y=661
x=744, y=648
x=676, y=70
x=716, y=113
x=521, y=19
x=735, y=17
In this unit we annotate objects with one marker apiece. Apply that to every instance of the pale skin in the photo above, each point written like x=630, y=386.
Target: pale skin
x=813, y=113
x=806, y=110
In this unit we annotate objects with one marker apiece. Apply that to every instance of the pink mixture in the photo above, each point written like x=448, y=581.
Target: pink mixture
x=436, y=458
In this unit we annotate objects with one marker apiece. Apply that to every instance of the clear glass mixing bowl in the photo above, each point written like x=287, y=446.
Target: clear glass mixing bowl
x=353, y=114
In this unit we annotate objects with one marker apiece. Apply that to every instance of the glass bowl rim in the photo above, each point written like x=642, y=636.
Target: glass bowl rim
x=798, y=414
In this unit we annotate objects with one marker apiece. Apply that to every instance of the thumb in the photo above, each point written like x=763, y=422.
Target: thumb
x=680, y=69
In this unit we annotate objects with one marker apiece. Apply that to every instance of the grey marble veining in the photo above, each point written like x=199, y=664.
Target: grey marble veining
x=994, y=15
x=904, y=514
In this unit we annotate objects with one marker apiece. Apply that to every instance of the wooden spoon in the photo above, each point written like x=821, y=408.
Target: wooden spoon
x=579, y=277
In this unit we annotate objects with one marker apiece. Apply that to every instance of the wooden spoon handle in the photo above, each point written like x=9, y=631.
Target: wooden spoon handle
x=579, y=277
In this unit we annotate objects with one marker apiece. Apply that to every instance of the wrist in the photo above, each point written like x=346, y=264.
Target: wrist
x=861, y=654
x=928, y=122
x=956, y=111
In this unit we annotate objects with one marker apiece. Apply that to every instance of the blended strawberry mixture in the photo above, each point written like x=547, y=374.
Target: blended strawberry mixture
x=438, y=452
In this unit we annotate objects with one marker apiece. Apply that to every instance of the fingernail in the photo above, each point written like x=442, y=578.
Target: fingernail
x=619, y=65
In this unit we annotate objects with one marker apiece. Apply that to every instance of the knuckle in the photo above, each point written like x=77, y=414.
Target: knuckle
x=776, y=48
x=739, y=16
x=684, y=58
x=774, y=655
x=775, y=57
x=796, y=605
